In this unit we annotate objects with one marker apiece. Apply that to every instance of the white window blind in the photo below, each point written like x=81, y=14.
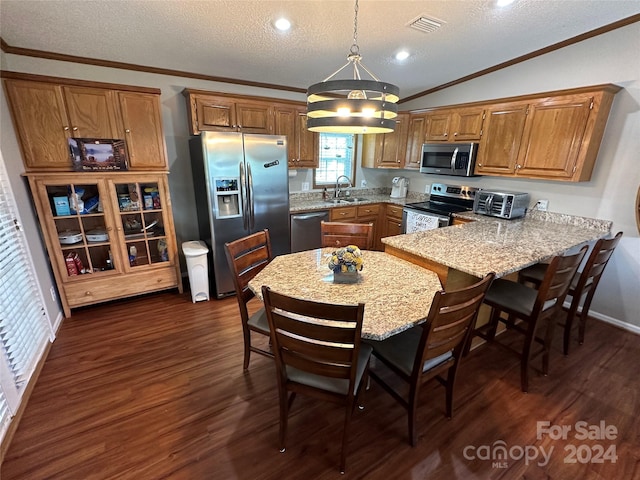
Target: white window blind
x=24, y=325
x=336, y=158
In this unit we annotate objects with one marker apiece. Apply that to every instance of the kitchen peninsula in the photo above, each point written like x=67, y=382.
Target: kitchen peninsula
x=463, y=253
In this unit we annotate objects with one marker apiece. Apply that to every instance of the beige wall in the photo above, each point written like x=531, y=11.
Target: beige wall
x=609, y=58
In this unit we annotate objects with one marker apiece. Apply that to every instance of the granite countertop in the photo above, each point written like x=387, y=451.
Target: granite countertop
x=397, y=293
x=305, y=202
x=491, y=244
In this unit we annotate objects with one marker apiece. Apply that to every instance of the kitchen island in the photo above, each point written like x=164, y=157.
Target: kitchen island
x=397, y=294
x=461, y=254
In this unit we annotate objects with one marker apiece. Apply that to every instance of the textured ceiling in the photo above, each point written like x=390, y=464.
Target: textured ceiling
x=235, y=38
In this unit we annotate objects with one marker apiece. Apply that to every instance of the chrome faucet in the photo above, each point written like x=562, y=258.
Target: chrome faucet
x=337, y=190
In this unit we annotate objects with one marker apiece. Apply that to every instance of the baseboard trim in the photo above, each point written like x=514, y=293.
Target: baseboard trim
x=615, y=322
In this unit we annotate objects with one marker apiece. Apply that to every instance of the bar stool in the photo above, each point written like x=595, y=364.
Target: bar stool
x=530, y=306
x=584, y=282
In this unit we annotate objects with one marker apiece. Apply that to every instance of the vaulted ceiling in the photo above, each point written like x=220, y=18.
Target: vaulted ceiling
x=236, y=39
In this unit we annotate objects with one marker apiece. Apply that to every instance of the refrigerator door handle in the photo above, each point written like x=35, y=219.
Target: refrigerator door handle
x=252, y=219
x=243, y=197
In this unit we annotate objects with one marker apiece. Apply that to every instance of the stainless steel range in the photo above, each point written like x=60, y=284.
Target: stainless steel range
x=444, y=201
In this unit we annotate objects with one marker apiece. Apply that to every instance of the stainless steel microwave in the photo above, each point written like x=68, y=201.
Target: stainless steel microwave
x=457, y=159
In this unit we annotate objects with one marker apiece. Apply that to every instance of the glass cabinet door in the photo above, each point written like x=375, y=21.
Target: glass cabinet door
x=141, y=212
x=81, y=227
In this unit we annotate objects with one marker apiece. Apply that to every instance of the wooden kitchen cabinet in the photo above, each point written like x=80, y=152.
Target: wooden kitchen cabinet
x=415, y=138
x=368, y=213
x=210, y=111
x=46, y=113
x=302, y=144
x=553, y=137
x=456, y=125
x=387, y=150
x=392, y=221
x=117, y=241
x=141, y=126
x=500, y=144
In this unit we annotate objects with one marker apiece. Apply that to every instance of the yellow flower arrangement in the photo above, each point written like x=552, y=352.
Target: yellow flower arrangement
x=347, y=259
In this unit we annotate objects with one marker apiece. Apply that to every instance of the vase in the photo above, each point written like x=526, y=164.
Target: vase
x=345, y=277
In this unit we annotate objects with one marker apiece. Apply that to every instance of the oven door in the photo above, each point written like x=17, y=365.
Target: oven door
x=414, y=220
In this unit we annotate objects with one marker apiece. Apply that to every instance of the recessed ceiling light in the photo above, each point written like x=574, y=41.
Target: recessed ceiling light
x=504, y=3
x=402, y=55
x=282, y=24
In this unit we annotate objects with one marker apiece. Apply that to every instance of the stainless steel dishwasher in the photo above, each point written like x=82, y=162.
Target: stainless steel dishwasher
x=305, y=230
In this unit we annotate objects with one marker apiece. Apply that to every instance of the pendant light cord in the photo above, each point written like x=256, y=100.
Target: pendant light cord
x=355, y=50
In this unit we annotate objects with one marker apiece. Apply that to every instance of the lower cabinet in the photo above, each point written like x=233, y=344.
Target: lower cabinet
x=392, y=221
x=108, y=235
x=369, y=213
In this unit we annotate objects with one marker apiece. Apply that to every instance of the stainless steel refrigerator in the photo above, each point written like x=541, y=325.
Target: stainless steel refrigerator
x=241, y=185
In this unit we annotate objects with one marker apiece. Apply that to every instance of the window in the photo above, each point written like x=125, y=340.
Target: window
x=24, y=325
x=336, y=158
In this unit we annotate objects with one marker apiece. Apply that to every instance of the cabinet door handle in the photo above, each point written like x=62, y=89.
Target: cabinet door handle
x=88, y=293
x=479, y=164
x=75, y=129
x=65, y=128
x=445, y=134
x=126, y=130
x=455, y=134
x=518, y=166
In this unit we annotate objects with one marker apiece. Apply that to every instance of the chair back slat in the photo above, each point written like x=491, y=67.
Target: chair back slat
x=310, y=365
x=341, y=234
x=317, y=328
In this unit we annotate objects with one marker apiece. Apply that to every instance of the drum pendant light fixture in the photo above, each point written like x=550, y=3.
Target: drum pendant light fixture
x=352, y=105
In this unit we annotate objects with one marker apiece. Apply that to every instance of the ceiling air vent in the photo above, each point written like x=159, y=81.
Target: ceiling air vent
x=425, y=24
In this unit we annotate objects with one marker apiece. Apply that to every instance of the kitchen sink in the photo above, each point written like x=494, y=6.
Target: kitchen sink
x=343, y=200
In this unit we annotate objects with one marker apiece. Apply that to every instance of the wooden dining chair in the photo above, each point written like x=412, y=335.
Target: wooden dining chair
x=528, y=309
x=583, y=283
x=247, y=256
x=318, y=353
x=431, y=349
x=341, y=234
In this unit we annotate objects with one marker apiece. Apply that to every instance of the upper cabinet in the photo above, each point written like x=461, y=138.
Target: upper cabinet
x=415, y=138
x=302, y=144
x=225, y=113
x=556, y=137
x=387, y=150
x=141, y=127
x=213, y=111
x=455, y=125
x=503, y=127
x=83, y=110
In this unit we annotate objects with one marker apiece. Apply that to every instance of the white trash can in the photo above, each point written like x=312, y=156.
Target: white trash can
x=195, y=252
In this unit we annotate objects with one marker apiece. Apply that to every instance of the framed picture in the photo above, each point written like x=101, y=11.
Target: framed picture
x=98, y=154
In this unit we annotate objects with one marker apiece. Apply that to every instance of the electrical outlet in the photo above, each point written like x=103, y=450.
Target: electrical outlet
x=363, y=183
x=427, y=188
x=305, y=186
x=542, y=205
x=52, y=290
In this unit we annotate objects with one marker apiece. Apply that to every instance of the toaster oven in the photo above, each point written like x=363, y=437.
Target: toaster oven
x=501, y=204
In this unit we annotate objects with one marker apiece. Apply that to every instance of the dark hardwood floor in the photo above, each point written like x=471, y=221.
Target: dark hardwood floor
x=153, y=388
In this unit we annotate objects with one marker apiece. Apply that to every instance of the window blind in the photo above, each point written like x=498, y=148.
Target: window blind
x=24, y=325
x=336, y=158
